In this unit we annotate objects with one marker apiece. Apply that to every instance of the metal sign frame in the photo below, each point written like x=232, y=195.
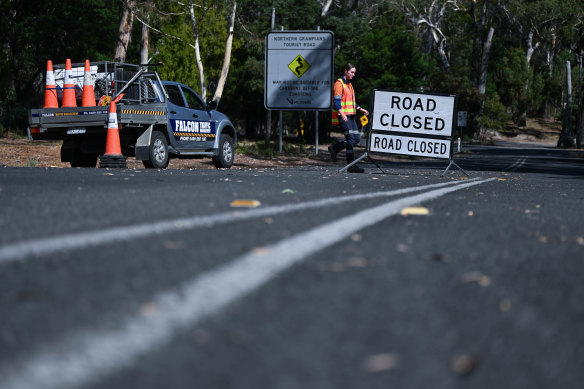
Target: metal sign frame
x=310, y=53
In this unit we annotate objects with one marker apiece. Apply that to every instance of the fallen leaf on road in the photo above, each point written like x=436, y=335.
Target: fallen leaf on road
x=402, y=248
x=380, y=362
x=414, y=211
x=475, y=276
x=261, y=251
x=149, y=309
x=337, y=267
x=357, y=262
x=174, y=245
x=464, y=364
x=245, y=203
x=290, y=191
x=505, y=305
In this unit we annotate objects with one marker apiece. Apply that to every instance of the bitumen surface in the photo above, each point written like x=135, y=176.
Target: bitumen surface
x=297, y=277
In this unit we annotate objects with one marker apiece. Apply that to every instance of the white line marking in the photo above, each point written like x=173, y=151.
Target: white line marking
x=45, y=246
x=517, y=164
x=91, y=355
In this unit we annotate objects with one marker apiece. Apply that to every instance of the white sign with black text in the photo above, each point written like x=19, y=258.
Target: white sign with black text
x=417, y=146
x=414, y=113
x=298, y=70
x=417, y=124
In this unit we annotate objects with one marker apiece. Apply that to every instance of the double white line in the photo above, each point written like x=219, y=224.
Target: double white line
x=89, y=355
x=517, y=164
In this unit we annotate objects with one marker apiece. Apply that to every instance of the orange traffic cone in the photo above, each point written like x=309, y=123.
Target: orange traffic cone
x=51, y=100
x=68, y=87
x=88, y=98
x=113, y=151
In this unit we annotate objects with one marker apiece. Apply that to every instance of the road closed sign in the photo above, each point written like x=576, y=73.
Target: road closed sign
x=417, y=124
x=299, y=70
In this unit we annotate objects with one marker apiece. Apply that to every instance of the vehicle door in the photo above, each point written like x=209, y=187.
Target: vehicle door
x=191, y=123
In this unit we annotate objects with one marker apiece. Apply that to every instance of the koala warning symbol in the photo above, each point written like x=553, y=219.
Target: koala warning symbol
x=299, y=66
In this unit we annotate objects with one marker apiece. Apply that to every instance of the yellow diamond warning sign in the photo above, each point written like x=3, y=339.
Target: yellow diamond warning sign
x=299, y=66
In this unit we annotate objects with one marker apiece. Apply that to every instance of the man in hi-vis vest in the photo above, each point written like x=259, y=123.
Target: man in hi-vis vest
x=345, y=110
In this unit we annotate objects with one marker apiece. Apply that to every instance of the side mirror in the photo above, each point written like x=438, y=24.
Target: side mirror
x=211, y=104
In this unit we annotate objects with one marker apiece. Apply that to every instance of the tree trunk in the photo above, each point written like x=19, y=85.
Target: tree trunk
x=442, y=54
x=580, y=114
x=200, y=66
x=482, y=86
x=227, y=57
x=522, y=122
x=565, y=137
x=479, y=43
x=326, y=4
x=550, y=64
x=125, y=30
x=144, y=44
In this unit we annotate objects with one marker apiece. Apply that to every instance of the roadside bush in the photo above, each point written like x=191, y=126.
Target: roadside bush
x=495, y=116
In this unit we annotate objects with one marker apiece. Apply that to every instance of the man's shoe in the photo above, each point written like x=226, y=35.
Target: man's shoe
x=331, y=150
x=355, y=169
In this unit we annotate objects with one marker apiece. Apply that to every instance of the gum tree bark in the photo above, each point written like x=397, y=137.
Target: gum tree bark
x=125, y=30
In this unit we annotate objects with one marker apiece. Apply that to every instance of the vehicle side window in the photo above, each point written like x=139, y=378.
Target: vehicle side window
x=174, y=95
x=193, y=100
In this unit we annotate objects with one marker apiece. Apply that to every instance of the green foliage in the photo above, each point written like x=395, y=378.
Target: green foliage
x=178, y=55
x=514, y=79
x=31, y=162
x=495, y=115
x=391, y=59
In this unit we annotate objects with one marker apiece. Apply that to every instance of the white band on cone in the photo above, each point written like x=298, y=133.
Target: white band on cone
x=50, y=78
x=112, y=120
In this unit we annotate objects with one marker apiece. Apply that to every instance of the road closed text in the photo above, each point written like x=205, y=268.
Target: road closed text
x=422, y=147
x=414, y=113
x=411, y=122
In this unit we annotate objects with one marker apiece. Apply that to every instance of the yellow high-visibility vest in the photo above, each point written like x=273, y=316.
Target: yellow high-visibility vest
x=348, y=104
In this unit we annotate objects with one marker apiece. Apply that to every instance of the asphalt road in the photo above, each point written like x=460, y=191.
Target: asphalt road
x=296, y=278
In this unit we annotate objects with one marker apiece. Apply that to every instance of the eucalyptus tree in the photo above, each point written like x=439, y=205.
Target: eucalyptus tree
x=197, y=26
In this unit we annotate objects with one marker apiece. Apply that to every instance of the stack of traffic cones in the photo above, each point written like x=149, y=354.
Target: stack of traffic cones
x=68, y=87
x=113, y=157
x=51, y=100
x=88, y=97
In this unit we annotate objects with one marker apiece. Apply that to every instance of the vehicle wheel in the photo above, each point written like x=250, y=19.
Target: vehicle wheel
x=158, y=151
x=226, y=154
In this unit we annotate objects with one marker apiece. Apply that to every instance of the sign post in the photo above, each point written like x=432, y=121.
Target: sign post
x=299, y=71
x=416, y=124
x=461, y=122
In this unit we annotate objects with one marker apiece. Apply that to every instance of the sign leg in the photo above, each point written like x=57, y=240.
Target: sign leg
x=365, y=155
x=452, y=163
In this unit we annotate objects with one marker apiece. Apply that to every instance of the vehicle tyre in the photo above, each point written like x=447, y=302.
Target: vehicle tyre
x=226, y=153
x=158, y=151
